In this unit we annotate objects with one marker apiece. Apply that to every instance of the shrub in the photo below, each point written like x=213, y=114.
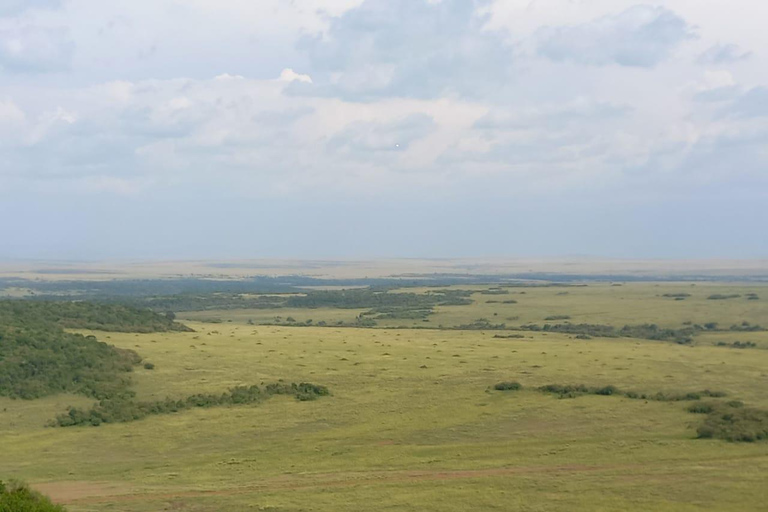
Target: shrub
x=494, y=291
x=607, y=391
x=123, y=409
x=565, y=391
x=481, y=324
x=746, y=327
x=701, y=408
x=149, y=366
x=508, y=386
x=15, y=497
x=735, y=424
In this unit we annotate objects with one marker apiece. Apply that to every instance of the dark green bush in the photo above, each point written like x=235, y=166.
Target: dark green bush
x=508, y=386
x=15, y=497
x=481, y=324
x=122, y=410
x=644, y=331
x=735, y=424
x=701, y=408
x=565, y=391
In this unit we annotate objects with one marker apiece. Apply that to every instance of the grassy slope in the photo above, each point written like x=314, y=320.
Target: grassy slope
x=396, y=436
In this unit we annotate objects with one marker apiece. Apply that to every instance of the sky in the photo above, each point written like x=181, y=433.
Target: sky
x=185, y=129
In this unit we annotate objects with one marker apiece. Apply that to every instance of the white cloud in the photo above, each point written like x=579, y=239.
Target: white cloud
x=723, y=54
x=289, y=75
x=642, y=36
x=32, y=49
x=16, y=7
x=408, y=48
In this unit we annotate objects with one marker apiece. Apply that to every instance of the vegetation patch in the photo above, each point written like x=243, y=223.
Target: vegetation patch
x=400, y=313
x=734, y=423
x=369, y=298
x=643, y=331
x=508, y=386
x=86, y=315
x=481, y=324
x=16, y=497
x=494, y=291
x=42, y=360
x=123, y=410
x=720, y=296
x=730, y=421
x=38, y=358
x=746, y=327
x=575, y=390
x=737, y=344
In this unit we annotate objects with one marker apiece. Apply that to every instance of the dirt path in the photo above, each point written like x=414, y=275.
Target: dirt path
x=101, y=492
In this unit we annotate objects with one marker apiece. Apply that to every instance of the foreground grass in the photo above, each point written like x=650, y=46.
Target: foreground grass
x=411, y=425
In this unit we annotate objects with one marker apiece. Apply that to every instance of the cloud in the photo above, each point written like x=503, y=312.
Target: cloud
x=12, y=122
x=751, y=104
x=407, y=48
x=31, y=49
x=578, y=111
x=723, y=54
x=15, y=7
x=715, y=86
x=368, y=139
x=289, y=75
x=642, y=36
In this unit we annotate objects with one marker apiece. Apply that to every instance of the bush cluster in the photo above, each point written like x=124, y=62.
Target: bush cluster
x=86, y=315
x=572, y=391
x=732, y=422
x=720, y=296
x=737, y=344
x=123, y=409
x=16, y=497
x=39, y=358
x=508, y=386
x=494, y=291
x=642, y=331
x=481, y=324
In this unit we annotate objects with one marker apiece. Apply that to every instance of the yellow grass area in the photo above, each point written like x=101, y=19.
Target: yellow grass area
x=411, y=424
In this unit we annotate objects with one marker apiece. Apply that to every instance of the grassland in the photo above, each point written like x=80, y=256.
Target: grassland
x=412, y=423
x=596, y=303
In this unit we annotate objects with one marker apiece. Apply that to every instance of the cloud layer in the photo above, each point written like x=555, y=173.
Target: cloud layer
x=449, y=111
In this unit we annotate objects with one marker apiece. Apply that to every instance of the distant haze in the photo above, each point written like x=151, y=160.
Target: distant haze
x=159, y=129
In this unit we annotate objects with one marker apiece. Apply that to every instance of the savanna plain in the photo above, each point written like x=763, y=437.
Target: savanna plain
x=530, y=396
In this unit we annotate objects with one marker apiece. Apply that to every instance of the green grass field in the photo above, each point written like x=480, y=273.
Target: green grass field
x=412, y=424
